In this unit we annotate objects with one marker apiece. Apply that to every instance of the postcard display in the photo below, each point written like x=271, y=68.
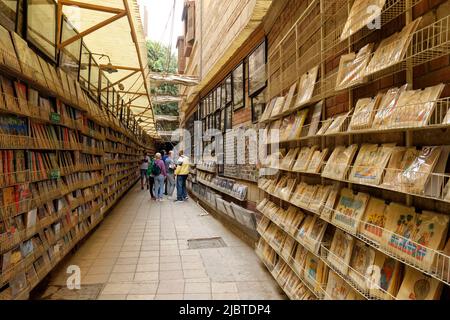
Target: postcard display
x=326, y=232
x=61, y=167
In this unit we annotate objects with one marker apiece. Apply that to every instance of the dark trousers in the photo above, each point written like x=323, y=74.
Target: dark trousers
x=181, y=187
x=151, y=182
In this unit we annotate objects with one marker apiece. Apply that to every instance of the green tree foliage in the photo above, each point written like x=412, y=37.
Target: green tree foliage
x=158, y=60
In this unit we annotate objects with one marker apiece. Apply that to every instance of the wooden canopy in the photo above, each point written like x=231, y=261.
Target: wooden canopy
x=114, y=28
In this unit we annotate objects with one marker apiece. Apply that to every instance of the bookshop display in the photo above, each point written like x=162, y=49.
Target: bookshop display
x=62, y=165
x=324, y=218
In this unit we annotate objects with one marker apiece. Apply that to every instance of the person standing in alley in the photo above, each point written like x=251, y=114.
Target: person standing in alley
x=170, y=168
x=164, y=156
x=159, y=173
x=182, y=172
x=144, y=169
x=151, y=178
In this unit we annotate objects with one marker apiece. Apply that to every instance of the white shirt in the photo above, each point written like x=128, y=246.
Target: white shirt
x=144, y=165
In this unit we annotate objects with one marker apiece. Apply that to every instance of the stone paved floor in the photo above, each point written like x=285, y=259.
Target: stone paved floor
x=140, y=252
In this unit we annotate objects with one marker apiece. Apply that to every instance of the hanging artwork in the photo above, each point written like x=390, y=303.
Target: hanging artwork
x=257, y=69
x=258, y=106
x=418, y=286
x=238, y=76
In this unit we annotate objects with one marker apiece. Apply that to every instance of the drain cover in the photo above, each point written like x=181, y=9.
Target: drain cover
x=206, y=243
x=86, y=292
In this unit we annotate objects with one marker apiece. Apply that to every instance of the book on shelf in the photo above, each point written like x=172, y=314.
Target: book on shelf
x=43, y=162
x=31, y=218
x=13, y=125
x=18, y=284
x=8, y=53
x=7, y=89
x=25, y=56
x=306, y=86
x=362, y=259
x=384, y=277
x=338, y=289
x=341, y=251
x=21, y=94
x=418, y=286
x=350, y=209
x=360, y=17
x=370, y=163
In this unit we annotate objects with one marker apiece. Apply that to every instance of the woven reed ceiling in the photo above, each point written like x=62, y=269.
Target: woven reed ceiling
x=115, y=40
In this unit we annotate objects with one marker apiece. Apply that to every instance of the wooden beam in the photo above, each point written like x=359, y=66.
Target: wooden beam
x=145, y=110
x=138, y=51
x=122, y=14
x=133, y=93
x=135, y=98
x=104, y=66
x=119, y=81
x=148, y=117
x=58, y=23
x=89, y=6
x=139, y=107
